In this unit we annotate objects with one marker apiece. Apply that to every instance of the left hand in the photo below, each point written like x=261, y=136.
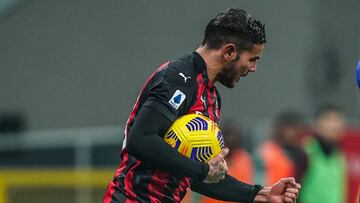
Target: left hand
x=217, y=167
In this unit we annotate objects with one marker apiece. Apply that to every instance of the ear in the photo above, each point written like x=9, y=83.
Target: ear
x=229, y=52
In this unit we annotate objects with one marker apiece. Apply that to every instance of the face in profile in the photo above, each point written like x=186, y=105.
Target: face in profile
x=244, y=63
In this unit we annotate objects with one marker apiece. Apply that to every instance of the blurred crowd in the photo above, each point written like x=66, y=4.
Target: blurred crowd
x=307, y=150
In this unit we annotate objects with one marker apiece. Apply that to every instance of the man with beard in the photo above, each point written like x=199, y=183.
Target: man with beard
x=152, y=171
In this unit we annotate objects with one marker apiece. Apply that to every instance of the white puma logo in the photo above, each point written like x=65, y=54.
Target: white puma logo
x=203, y=100
x=185, y=78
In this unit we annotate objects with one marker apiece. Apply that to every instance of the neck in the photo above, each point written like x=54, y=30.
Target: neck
x=211, y=58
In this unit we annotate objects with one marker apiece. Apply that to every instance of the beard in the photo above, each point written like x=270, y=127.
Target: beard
x=228, y=76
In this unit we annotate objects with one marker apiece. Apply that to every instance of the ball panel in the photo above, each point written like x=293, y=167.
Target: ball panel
x=196, y=137
x=196, y=124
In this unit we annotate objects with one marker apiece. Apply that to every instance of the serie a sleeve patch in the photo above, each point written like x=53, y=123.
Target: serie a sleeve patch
x=177, y=99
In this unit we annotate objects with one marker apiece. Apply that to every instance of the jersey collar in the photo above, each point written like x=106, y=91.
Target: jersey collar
x=200, y=67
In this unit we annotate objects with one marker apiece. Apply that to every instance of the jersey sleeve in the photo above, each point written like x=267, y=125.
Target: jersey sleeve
x=168, y=96
x=146, y=144
x=228, y=189
x=171, y=93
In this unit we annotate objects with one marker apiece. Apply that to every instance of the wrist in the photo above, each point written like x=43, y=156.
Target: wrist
x=263, y=195
x=205, y=171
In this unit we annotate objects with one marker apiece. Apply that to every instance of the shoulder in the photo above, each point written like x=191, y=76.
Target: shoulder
x=180, y=71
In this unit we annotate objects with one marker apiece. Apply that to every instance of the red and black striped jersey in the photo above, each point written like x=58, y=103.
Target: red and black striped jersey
x=176, y=88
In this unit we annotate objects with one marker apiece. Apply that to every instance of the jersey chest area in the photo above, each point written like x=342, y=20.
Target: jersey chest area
x=207, y=102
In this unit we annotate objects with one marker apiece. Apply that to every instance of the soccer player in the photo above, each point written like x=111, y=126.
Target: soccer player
x=150, y=169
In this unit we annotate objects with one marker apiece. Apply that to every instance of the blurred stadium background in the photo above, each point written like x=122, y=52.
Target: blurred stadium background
x=70, y=72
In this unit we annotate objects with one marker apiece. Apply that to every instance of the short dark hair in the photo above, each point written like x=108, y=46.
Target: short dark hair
x=234, y=26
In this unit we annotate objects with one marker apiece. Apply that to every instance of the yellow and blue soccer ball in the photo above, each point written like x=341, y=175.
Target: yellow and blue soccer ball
x=196, y=137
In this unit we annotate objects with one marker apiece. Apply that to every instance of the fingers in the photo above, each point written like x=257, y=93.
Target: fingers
x=217, y=159
x=293, y=190
x=223, y=166
x=292, y=193
x=218, y=168
x=290, y=197
x=289, y=200
x=298, y=186
x=289, y=180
